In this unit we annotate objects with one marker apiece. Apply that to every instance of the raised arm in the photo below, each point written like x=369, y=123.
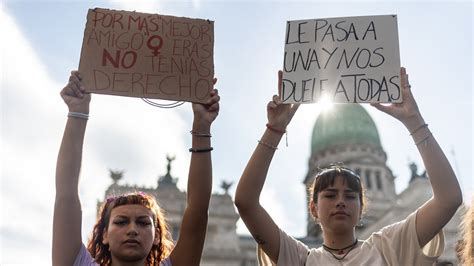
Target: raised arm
x=447, y=197
x=67, y=208
x=247, y=197
x=190, y=244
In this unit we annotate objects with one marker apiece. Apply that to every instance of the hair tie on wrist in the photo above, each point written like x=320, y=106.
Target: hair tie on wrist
x=78, y=115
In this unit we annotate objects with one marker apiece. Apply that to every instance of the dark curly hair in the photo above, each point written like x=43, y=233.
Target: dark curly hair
x=100, y=252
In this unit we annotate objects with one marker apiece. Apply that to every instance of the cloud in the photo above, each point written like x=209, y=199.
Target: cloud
x=123, y=133
x=26, y=190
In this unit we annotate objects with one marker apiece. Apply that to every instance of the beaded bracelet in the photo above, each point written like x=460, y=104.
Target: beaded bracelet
x=78, y=115
x=418, y=128
x=424, y=139
x=204, y=135
x=201, y=149
x=267, y=145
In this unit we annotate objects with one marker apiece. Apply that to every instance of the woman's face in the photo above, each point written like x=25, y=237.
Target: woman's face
x=338, y=208
x=131, y=233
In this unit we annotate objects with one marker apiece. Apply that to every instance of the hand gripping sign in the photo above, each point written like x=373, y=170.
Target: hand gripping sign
x=345, y=60
x=147, y=55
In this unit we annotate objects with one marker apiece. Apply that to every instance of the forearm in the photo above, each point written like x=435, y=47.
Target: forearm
x=189, y=247
x=254, y=176
x=67, y=207
x=446, y=189
x=69, y=158
x=200, y=171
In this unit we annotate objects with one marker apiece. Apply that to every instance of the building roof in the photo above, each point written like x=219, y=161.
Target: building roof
x=343, y=124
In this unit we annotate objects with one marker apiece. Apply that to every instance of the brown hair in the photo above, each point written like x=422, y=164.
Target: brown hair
x=466, y=252
x=100, y=252
x=326, y=177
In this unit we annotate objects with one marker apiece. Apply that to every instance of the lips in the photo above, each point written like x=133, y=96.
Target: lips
x=131, y=241
x=340, y=213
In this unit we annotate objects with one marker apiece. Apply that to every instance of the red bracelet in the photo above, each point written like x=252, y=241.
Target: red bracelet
x=277, y=130
x=281, y=131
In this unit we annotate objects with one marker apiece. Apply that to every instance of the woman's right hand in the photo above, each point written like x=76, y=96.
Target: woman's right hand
x=74, y=94
x=279, y=114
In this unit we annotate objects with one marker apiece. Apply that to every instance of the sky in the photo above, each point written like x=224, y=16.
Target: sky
x=41, y=44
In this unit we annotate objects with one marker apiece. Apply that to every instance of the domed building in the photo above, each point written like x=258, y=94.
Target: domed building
x=347, y=134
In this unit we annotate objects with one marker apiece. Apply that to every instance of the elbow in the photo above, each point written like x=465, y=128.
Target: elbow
x=448, y=195
x=246, y=199
x=239, y=203
x=457, y=199
x=454, y=202
x=243, y=204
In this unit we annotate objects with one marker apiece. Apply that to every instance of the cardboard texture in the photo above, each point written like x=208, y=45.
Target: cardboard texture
x=346, y=60
x=147, y=55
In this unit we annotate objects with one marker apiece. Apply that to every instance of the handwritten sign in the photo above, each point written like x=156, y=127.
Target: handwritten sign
x=347, y=60
x=147, y=55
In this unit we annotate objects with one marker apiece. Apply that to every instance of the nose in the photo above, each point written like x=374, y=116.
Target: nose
x=340, y=201
x=132, y=229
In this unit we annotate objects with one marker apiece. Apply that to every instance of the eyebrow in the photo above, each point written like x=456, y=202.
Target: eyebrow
x=337, y=190
x=139, y=217
x=145, y=217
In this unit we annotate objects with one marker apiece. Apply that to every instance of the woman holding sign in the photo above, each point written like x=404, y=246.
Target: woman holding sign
x=337, y=202
x=131, y=229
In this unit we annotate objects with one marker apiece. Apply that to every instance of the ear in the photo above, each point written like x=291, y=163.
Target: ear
x=157, y=239
x=314, y=209
x=105, y=239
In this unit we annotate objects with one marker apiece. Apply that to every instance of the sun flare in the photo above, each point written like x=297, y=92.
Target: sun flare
x=325, y=103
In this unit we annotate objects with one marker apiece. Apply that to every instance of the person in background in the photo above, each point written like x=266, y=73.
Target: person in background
x=466, y=244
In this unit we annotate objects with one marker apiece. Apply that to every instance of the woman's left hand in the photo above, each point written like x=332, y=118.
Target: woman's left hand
x=205, y=114
x=407, y=111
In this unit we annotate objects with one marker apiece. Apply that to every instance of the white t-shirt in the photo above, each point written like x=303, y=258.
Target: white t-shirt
x=396, y=244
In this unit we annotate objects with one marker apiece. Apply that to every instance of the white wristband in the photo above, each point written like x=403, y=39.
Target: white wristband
x=78, y=115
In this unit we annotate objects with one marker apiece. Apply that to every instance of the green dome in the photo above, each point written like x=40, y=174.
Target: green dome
x=344, y=124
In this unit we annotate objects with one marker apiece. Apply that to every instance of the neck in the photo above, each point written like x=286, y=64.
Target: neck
x=338, y=241
x=124, y=263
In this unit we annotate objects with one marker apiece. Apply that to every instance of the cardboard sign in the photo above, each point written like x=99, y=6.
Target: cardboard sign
x=346, y=60
x=147, y=55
